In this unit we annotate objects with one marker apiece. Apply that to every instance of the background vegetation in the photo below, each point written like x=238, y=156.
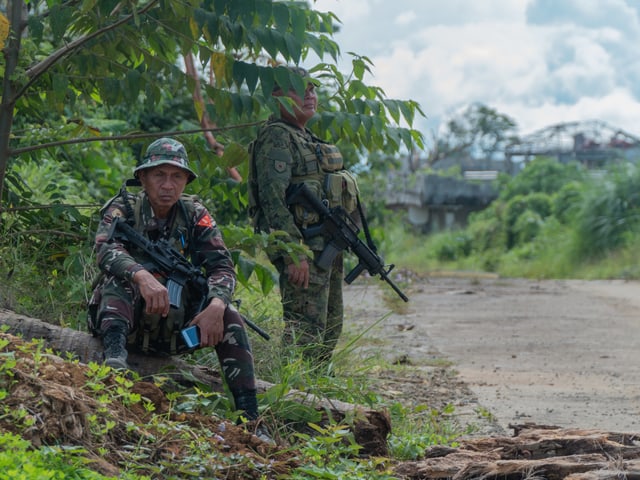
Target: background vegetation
x=552, y=220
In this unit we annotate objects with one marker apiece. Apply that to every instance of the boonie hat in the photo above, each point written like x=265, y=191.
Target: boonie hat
x=165, y=151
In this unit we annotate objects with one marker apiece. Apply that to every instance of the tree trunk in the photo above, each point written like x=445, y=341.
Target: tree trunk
x=370, y=427
x=11, y=53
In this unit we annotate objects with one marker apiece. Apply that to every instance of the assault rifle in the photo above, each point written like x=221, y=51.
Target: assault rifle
x=342, y=233
x=167, y=260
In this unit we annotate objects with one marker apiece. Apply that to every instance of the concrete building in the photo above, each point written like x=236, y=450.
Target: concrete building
x=439, y=202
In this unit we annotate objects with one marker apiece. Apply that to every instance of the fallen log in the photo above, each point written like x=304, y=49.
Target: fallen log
x=370, y=427
x=534, y=452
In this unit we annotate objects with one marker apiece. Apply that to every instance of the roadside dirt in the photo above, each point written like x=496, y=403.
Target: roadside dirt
x=510, y=351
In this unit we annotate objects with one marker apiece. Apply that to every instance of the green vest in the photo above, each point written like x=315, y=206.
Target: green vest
x=316, y=163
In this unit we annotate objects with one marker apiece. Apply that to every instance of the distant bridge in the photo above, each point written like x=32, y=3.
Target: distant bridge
x=436, y=203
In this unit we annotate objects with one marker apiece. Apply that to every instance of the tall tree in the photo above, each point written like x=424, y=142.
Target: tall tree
x=85, y=83
x=477, y=131
x=63, y=57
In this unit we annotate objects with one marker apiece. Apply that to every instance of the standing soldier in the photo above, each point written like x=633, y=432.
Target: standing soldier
x=286, y=153
x=130, y=306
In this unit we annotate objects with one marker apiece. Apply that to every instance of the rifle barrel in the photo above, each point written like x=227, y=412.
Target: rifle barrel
x=386, y=278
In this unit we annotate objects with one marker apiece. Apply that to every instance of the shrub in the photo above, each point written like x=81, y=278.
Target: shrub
x=452, y=246
x=610, y=213
x=543, y=175
x=527, y=227
x=487, y=233
x=538, y=203
x=566, y=203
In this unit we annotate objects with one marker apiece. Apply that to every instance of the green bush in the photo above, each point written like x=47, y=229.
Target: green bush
x=538, y=203
x=527, y=227
x=566, y=203
x=19, y=461
x=610, y=213
x=452, y=246
x=543, y=175
x=487, y=233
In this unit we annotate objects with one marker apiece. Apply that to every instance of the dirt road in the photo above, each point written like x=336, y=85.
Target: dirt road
x=563, y=353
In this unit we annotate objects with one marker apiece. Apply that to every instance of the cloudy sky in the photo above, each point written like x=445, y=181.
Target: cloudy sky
x=541, y=62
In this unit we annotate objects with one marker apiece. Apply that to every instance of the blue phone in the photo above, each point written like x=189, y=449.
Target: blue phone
x=191, y=336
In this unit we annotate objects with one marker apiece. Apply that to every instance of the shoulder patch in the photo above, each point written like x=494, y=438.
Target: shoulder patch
x=206, y=221
x=279, y=166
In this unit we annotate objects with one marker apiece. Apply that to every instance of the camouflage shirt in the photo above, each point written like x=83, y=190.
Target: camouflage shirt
x=284, y=155
x=197, y=237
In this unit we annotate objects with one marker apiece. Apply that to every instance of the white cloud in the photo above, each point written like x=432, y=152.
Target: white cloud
x=618, y=108
x=539, y=61
x=405, y=18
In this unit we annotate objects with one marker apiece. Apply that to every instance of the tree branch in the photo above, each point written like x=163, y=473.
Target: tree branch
x=39, y=68
x=205, y=121
x=136, y=136
x=11, y=53
x=46, y=207
x=53, y=232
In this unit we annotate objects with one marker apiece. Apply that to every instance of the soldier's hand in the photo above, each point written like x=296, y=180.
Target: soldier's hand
x=299, y=274
x=211, y=323
x=156, y=295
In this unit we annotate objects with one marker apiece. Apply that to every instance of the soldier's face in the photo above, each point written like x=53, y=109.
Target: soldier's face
x=163, y=184
x=304, y=108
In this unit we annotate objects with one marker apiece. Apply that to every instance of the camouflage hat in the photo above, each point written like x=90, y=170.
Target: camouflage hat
x=165, y=151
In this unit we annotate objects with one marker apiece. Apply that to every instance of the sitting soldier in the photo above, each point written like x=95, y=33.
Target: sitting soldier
x=130, y=306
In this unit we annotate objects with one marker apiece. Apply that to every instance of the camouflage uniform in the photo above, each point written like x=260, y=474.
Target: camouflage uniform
x=117, y=301
x=284, y=155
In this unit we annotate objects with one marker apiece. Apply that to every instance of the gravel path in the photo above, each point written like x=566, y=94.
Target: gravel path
x=551, y=352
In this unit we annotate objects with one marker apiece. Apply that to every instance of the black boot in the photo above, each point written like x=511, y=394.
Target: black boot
x=114, y=341
x=248, y=403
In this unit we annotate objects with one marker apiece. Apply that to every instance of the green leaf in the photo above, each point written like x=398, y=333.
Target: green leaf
x=359, y=68
x=393, y=109
x=298, y=24
x=267, y=81
x=283, y=78
x=213, y=26
x=35, y=28
x=281, y=16
x=245, y=268
x=407, y=112
x=263, y=11
x=234, y=154
x=245, y=73
x=294, y=48
x=266, y=36
x=266, y=278
x=133, y=83
x=59, y=84
x=354, y=122
x=60, y=19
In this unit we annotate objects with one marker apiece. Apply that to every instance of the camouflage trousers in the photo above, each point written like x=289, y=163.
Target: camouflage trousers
x=117, y=301
x=313, y=317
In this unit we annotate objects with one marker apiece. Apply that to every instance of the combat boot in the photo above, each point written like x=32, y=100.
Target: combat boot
x=114, y=342
x=248, y=403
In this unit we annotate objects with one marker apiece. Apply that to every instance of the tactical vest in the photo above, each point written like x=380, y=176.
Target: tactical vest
x=153, y=333
x=316, y=163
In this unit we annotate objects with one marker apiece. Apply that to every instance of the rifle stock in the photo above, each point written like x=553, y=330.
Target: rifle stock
x=342, y=232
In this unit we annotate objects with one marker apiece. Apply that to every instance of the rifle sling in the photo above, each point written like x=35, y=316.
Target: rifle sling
x=365, y=225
